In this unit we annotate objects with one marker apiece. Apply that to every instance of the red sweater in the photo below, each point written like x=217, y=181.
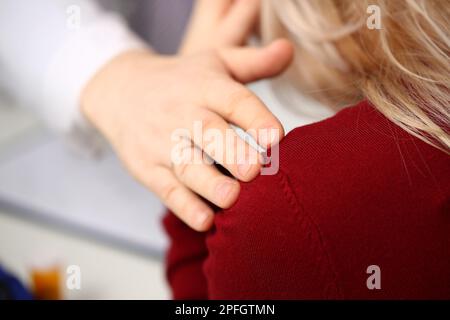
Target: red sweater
x=352, y=191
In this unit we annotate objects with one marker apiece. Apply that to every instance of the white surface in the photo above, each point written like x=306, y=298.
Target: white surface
x=14, y=122
x=95, y=195
x=106, y=273
x=39, y=173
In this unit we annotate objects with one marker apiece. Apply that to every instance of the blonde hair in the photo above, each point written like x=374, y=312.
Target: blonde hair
x=403, y=68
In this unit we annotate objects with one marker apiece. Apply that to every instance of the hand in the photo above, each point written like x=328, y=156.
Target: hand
x=139, y=99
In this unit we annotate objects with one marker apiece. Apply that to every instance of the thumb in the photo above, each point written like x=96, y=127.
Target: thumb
x=250, y=64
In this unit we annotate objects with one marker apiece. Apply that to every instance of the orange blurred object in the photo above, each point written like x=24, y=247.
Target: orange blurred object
x=47, y=283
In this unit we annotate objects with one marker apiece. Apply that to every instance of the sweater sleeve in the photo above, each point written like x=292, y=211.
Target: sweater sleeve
x=267, y=247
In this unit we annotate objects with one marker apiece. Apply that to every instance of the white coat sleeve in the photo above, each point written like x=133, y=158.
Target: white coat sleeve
x=49, y=49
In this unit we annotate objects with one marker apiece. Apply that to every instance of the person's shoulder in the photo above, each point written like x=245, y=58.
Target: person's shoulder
x=344, y=189
x=352, y=133
x=359, y=159
x=356, y=152
x=357, y=143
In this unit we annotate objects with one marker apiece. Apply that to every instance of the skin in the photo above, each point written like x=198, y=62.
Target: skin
x=139, y=98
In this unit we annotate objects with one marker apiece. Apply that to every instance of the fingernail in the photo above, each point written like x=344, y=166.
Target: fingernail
x=223, y=190
x=244, y=168
x=268, y=136
x=265, y=141
x=201, y=218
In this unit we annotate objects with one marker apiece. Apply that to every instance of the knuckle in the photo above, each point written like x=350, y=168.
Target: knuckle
x=168, y=192
x=181, y=169
x=238, y=98
x=209, y=121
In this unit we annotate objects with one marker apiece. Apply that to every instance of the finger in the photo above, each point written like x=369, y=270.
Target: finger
x=238, y=105
x=214, y=136
x=212, y=10
x=180, y=200
x=251, y=64
x=206, y=16
x=239, y=22
x=205, y=180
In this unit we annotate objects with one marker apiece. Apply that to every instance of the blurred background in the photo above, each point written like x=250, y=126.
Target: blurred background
x=59, y=207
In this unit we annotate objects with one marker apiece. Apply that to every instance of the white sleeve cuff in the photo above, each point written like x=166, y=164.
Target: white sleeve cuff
x=84, y=51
